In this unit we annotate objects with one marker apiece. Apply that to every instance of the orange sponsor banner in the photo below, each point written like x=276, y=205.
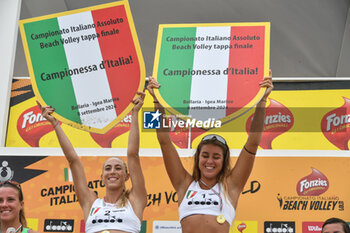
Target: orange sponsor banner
x=282, y=192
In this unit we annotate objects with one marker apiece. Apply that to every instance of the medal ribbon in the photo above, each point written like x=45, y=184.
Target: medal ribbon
x=12, y=229
x=217, y=194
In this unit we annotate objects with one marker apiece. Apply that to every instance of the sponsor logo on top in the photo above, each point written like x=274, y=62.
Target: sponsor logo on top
x=272, y=227
x=32, y=126
x=166, y=227
x=58, y=225
x=309, y=190
x=241, y=227
x=244, y=227
x=6, y=172
x=335, y=126
x=313, y=185
x=312, y=227
x=278, y=120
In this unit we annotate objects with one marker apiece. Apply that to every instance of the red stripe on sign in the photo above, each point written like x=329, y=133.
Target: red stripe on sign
x=118, y=53
x=246, y=61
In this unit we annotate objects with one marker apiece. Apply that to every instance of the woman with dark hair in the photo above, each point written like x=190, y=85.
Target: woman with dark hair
x=335, y=225
x=120, y=210
x=12, y=219
x=208, y=198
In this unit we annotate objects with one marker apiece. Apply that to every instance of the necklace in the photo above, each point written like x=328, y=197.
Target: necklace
x=220, y=218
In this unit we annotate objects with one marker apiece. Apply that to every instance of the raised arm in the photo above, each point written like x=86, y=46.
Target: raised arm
x=84, y=194
x=243, y=167
x=178, y=175
x=138, y=194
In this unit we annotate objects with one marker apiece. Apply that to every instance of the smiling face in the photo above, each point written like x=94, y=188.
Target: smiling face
x=219, y=155
x=10, y=205
x=211, y=159
x=333, y=228
x=114, y=173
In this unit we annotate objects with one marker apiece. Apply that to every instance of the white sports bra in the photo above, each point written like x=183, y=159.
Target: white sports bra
x=202, y=201
x=106, y=216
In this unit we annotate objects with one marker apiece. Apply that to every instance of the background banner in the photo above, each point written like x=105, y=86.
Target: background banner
x=295, y=120
x=86, y=63
x=282, y=192
x=295, y=190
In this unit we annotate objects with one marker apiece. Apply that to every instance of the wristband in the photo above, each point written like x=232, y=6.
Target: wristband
x=249, y=151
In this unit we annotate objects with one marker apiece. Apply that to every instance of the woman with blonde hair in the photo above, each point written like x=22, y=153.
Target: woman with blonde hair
x=119, y=210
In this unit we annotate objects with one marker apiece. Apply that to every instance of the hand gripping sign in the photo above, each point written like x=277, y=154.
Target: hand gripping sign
x=211, y=71
x=86, y=63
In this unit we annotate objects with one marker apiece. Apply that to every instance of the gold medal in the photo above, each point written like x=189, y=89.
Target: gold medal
x=220, y=219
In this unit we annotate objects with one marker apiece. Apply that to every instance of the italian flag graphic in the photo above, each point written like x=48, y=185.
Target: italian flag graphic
x=86, y=64
x=94, y=210
x=68, y=175
x=191, y=194
x=211, y=71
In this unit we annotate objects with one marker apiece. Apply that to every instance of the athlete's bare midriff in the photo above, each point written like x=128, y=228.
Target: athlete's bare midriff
x=200, y=223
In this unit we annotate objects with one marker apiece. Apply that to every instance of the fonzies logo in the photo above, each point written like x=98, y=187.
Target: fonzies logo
x=278, y=120
x=309, y=190
x=335, y=126
x=31, y=126
x=313, y=185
